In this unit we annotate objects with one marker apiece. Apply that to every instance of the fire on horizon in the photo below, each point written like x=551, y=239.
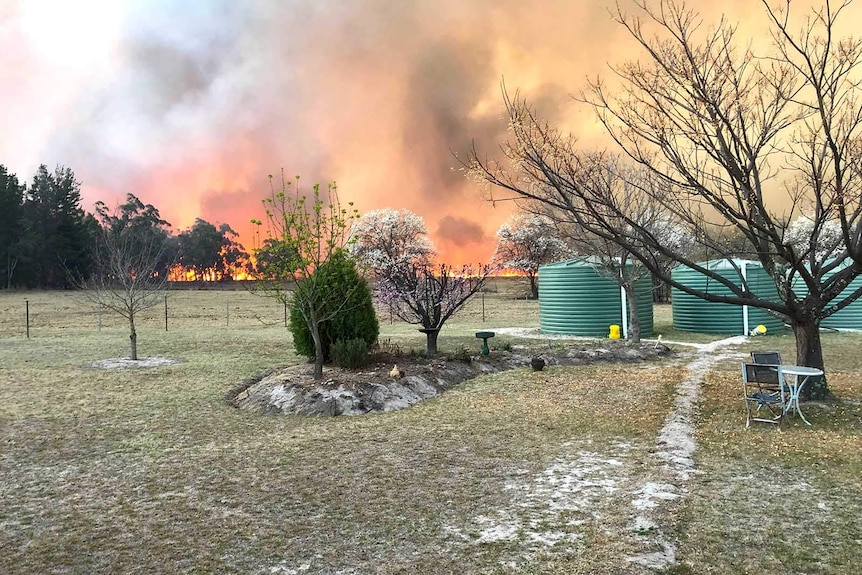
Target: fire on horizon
x=189, y=105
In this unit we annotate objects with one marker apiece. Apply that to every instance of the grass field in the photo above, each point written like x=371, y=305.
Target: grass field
x=149, y=471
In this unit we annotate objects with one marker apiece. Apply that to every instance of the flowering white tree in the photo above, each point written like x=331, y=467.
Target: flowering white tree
x=526, y=242
x=387, y=238
x=428, y=295
x=821, y=241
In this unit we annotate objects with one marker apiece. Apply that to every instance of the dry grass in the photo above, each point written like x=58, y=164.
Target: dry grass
x=779, y=501
x=149, y=471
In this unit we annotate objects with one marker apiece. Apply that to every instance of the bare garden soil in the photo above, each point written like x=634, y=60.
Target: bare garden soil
x=374, y=388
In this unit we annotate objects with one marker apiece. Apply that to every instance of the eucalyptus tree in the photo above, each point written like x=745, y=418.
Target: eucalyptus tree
x=211, y=252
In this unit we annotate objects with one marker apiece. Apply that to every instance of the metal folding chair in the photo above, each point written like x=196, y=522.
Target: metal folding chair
x=762, y=388
x=767, y=376
x=766, y=357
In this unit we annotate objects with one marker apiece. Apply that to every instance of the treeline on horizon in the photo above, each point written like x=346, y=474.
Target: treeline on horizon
x=47, y=240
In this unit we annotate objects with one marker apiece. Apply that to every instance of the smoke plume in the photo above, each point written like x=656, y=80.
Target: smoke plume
x=190, y=105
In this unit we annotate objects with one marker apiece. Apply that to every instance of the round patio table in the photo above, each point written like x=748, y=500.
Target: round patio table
x=801, y=374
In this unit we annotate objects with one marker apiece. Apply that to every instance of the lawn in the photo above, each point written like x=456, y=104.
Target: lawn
x=149, y=471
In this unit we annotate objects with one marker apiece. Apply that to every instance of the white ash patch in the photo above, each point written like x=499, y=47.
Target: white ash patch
x=496, y=530
x=126, y=363
x=676, y=443
x=283, y=569
x=651, y=492
x=575, y=485
x=657, y=559
x=548, y=508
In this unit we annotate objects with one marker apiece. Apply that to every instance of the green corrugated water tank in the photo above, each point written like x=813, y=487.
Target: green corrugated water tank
x=577, y=299
x=848, y=318
x=694, y=314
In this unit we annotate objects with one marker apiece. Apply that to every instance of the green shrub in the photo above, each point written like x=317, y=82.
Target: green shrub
x=345, y=293
x=350, y=354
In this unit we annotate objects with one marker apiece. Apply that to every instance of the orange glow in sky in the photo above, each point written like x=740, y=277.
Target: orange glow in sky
x=190, y=105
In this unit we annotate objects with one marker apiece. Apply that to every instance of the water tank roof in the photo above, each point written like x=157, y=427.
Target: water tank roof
x=581, y=261
x=724, y=264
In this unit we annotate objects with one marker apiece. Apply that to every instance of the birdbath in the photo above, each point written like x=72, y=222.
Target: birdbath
x=484, y=336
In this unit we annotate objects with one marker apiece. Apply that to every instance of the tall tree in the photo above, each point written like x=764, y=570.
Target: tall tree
x=11, y=225
x=613, y=259
x=526, y=242
x=142, y=224
x=59, y=235
x=211, y=253
x=734, y=139
x=308, y=230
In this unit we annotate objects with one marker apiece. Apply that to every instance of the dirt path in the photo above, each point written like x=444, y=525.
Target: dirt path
x=675, y=447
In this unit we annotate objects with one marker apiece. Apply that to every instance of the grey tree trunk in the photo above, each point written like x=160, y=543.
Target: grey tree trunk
x=431, y=341
x=534, y=286
x=634, y=321
x=133, y=337
x=11, y=264
x=809, y=352
x=318, y=344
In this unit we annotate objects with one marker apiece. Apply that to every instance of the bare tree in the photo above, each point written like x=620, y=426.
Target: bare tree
x=130, y=273
x=526, y=242
x=620, y=183
x=733, y=141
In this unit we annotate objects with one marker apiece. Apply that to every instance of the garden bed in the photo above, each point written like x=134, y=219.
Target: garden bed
x=395, y=381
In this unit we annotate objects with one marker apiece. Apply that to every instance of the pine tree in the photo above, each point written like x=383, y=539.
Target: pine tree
x=58, y=234
x=11, y=225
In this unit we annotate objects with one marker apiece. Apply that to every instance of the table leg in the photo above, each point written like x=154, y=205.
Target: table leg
x=795, y=391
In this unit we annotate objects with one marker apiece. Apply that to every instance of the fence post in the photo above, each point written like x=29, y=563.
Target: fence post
x=227, y=314
x=483, y=307
x=166, y=312
x=27, y=315
x=285, y=312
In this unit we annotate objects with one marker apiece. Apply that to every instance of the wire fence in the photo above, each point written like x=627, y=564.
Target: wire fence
x=30, y=313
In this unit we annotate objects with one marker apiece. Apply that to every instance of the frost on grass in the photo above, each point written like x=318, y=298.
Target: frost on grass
x=126, y=363
x=549, y=507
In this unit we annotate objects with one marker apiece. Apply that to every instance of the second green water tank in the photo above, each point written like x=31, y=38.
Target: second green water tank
x=848, y=318
x=691, y=313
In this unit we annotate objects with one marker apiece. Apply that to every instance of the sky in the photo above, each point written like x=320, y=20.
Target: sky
x=191, y=104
